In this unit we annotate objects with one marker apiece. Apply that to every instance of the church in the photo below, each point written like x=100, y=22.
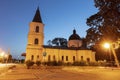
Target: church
x=37, y=51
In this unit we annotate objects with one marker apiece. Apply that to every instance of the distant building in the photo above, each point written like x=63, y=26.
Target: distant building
x=37, y=51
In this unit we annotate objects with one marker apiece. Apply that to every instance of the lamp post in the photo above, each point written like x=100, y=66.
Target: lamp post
x=107, y=46
x=110, y=46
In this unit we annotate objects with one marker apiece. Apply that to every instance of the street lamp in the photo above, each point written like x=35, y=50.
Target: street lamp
x=2, y=55
x=107, y=46
x=110, y=46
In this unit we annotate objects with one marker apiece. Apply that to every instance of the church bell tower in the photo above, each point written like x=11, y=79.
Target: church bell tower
x=35, y=38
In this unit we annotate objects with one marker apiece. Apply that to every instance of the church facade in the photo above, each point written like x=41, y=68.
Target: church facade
x=37, y=51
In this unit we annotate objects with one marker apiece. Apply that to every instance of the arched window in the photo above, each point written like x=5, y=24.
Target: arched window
x=66, y=58
x=62, y=58
x=81, y=58
x=37, y=56
x=37, y=29
x=49, y=58
x=32, y=57
x=88, y=59
x=73, y=58
x=54, y=58
x=36, y=41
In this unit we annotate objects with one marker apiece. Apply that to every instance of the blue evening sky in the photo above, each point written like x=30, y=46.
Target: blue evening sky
x=59, y=16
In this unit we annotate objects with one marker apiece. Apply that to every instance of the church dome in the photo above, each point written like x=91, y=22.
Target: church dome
x=74, y=36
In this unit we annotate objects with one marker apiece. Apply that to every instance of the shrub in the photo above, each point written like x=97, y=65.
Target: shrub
x=67, y=64
x=54, y=63
x=80, y=63
x=59, y=63
x=38, y=63
x=29, y=64
x=93, y=64
x=76, y=63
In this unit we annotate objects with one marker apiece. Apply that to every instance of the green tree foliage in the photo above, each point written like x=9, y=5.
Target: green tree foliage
x=105, y=24
x=49, y=42
x=9, y=58
x=59, y=41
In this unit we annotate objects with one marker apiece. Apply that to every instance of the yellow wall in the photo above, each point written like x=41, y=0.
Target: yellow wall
x=58, y=53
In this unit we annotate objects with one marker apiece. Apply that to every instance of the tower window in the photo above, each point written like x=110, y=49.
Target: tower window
x=37, y=29
x=36, y=41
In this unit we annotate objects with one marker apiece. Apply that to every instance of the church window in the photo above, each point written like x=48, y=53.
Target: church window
x=62, y=58
x=54, y=58
x=32, y=57
x=37, y=56
x=88, y=59
x=36, y=41
x=49, y=58
x=66, y=58
x=73, y=58
x=81, y=58
x=37, y=29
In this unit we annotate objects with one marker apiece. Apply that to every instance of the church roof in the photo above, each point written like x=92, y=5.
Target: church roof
x=65, y=48
x=74, y=36
x=37, y=17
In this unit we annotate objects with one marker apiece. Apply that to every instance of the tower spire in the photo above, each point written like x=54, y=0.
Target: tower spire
x=37, y=17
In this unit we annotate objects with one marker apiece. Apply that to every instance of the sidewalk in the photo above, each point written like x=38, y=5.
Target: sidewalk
x=18, y=73
x=22, y=73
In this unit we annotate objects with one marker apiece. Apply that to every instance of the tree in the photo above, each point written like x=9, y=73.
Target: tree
x=49, y=42
x=84, y=43
x=59, y=41
x=105, y=24
x=9, y=58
